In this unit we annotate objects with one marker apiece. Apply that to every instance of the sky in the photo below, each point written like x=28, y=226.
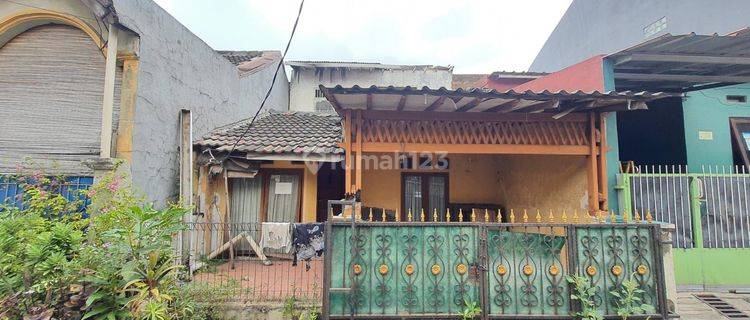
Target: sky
x=473, y=36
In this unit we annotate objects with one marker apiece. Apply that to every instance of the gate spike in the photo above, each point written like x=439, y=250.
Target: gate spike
x=525, y=216
x=409, y=216
x=612, y=217
x=499, y=216
x=473, y=216
x=512, y=216
x=398, y=217
x=422, y=215
x=603, y=216
x=383, y=217
x=538, y=216
x=434, y=215
x=551, y=216
x=637, y=216
x=460, y=215
x=564, y=217
x=625, y=217
x=448, y=215
x=371, y=218
x=575, y=216
x=649, y=217
x=486, y=215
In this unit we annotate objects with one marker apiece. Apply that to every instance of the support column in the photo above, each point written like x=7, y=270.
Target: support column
x=593, y=173
x=109, y=94
x=359, y=168
x=124, y=140
x=603, y=182
x=348, y=164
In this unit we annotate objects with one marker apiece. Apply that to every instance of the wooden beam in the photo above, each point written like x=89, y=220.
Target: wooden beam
x=439, y=101
x=585, y=105
x=358, y=169
x=472, y=116
x=348, y=151
x=603, y=186
x=593, y=174
x=540, y=107
x=505, y=106
x=401, y=103
x=680, y=77
x=369, y=101
x=683, y=58
x=471, y=105
x=477, y=148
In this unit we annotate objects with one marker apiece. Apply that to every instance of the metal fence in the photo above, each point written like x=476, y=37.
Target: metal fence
x=71, y=187
x=222, y=254
x=430, y=269
x=709, y=207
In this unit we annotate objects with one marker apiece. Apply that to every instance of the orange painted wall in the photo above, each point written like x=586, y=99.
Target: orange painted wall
x=515, y=181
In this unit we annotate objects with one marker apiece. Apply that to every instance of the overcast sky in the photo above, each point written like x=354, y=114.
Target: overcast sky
x=474, y=36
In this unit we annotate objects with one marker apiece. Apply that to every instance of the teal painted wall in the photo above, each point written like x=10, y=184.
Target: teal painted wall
x=613, y=155
x=709, y=111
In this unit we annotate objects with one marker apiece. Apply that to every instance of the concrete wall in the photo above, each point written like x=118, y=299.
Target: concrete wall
x=305, y=81
x=180, y=71
x=514, y=181
x=591, y=27
x=709, y=111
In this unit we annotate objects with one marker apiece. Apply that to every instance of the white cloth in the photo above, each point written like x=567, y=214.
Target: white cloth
x=276, y=235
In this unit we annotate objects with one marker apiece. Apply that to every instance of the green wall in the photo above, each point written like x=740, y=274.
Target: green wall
x=712, y=267
x=708, y=110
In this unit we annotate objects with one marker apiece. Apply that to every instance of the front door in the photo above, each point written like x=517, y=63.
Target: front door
x=424, y=191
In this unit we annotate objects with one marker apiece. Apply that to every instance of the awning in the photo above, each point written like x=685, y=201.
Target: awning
x=679, y=63
x=483, y=100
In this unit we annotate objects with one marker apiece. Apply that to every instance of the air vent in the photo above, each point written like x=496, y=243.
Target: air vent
x=722, y=306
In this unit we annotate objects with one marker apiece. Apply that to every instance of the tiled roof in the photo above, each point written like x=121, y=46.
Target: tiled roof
x=280, y=133
x=238, y=57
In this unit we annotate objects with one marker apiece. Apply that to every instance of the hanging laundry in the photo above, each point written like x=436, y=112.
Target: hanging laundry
x=308, y=241
x=276, y=235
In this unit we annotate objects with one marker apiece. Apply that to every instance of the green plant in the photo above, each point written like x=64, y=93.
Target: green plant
x=289, y=308
x=584, y=293
x=471, y=310
x=628, y=299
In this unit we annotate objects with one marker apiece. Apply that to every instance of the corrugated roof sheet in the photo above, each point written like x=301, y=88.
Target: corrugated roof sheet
x=250, y=61
x=361, y=65
x=280, y=133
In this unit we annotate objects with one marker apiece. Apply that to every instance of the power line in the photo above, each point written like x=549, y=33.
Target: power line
x=273, y=81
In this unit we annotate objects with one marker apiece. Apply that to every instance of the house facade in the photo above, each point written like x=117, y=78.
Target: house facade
x=92, y=81
x=307, y=76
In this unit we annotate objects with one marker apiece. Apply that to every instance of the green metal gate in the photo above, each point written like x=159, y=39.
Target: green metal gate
x=432, y=269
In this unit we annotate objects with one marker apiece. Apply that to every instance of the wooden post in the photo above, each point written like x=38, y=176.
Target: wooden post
x=603, y=183
x=348, y=151
x=358, y=172
x=593, y=174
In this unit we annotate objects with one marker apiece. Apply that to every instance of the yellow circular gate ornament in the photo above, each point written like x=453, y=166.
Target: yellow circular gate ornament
x=591, y=271
x=383, y=269
x=436, y=269
x=528, y=270
x=501, y=270
x=461, y=268
x=409, y=269
x=554, y=270
x=357, y=269
x=616, y=270
x=641, y=270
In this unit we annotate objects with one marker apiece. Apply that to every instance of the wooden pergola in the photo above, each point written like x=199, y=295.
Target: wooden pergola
x=477, y=121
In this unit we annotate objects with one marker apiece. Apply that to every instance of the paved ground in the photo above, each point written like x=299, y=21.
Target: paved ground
x=690, y=308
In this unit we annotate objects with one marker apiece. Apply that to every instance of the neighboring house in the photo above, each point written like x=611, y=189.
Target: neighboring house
x=498, y=80
x=691, y=153
x=67, y=97
x=591, y=27
x=305, y=94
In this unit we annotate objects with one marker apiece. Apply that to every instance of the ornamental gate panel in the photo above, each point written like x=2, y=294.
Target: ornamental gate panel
x=432, y=269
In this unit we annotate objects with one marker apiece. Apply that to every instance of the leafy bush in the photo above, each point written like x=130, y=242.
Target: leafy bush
x=629, y=301
x=584, y=293
x=118, y=264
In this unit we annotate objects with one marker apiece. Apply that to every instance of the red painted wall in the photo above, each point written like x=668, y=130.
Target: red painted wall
x=504, y=84
x=586, y=76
